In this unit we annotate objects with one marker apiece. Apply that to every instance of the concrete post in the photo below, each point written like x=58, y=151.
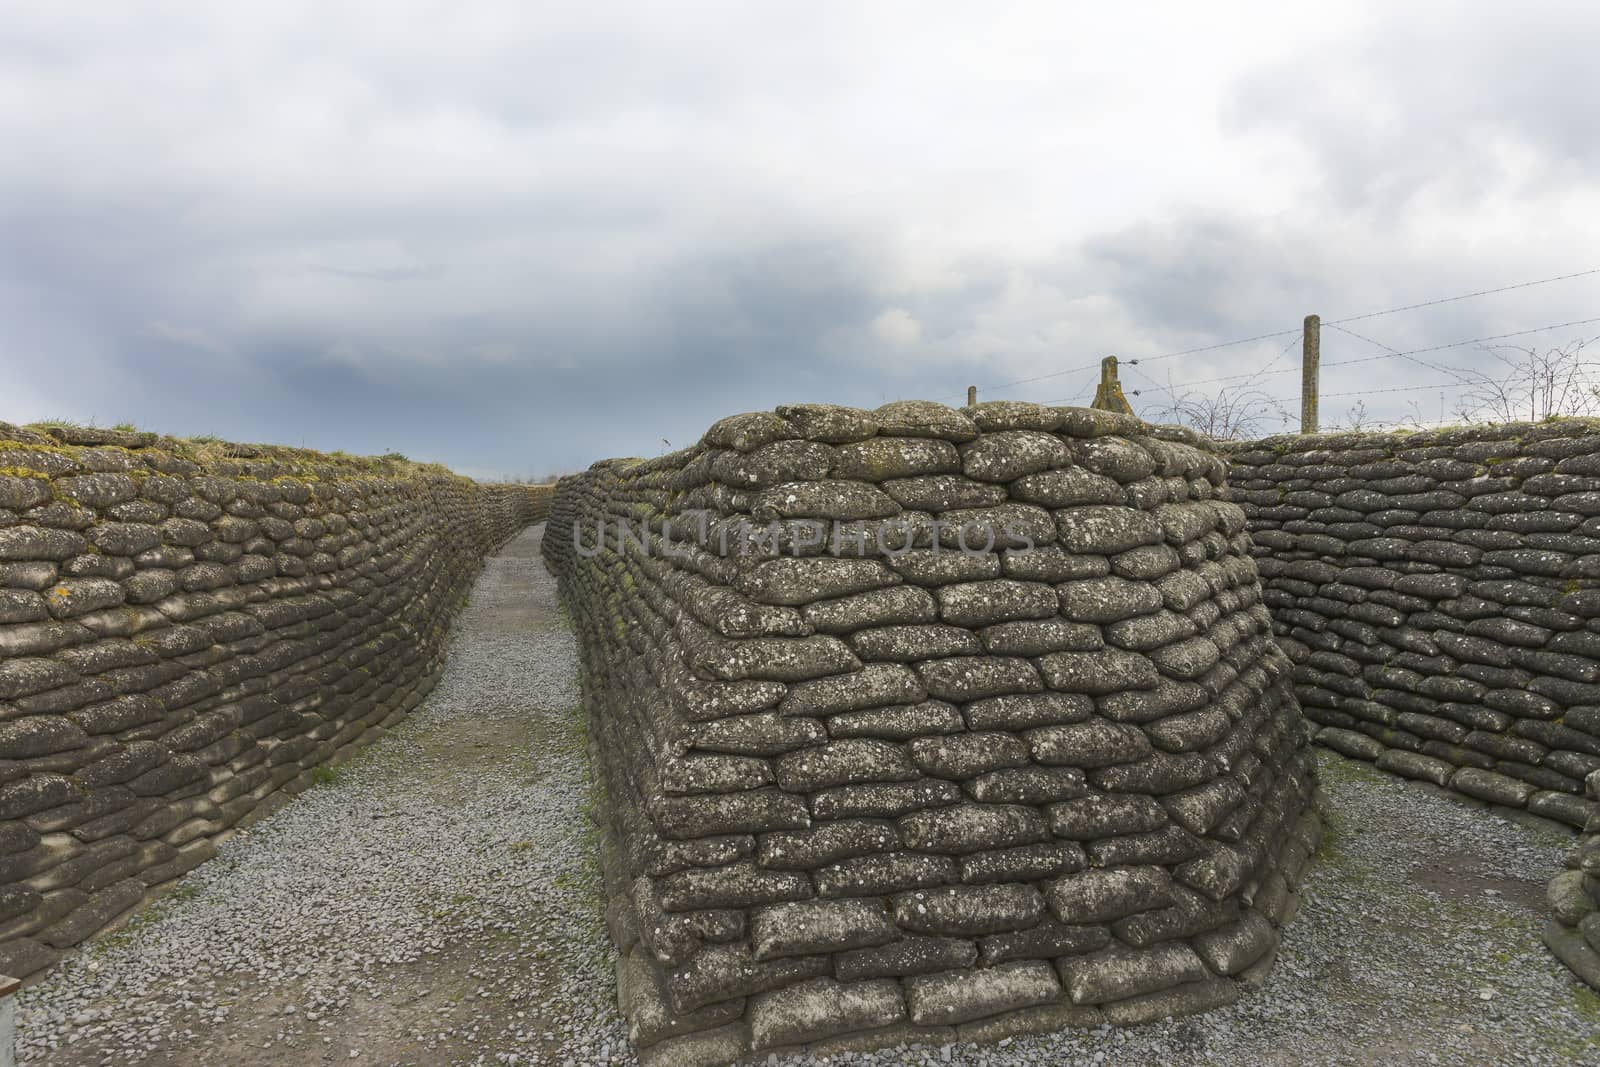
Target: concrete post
x=1311, y=358
x=1108, y=396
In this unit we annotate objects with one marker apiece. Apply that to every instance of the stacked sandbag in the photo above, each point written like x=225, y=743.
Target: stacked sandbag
x=1439, y=593
x=1573, y=933
x=862, y=786
x=186, y=630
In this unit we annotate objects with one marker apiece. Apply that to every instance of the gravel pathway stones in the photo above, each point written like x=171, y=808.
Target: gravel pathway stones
x=435, y=903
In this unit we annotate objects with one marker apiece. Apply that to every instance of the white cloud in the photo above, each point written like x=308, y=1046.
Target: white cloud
x=896, y=327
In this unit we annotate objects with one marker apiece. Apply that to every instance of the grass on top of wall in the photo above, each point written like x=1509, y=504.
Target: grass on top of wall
x=207, y=452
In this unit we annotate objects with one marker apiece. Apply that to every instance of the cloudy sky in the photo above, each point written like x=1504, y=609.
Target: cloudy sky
x=518, y=237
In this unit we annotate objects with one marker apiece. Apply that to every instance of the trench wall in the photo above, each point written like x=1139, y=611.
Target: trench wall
x=861, y=786
x=1439, y=594
x=186, y=631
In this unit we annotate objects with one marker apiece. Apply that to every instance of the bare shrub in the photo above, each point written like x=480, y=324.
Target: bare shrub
x=1229, y=414
x=1359, y=420
x=1531, y=385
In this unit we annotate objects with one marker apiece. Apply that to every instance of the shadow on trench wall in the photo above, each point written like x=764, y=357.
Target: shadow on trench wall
x=187, y=630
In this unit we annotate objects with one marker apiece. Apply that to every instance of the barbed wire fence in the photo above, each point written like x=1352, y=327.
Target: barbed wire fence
x=1521, y=382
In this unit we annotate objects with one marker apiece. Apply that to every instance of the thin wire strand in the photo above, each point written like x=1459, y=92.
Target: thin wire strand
x=1141, y=359
x=1461, y=344
x=1454, y=372
x=1390, y=353
x=1370, y=392
x=1275, y=359
x=1329, y=322
x=1463, y=296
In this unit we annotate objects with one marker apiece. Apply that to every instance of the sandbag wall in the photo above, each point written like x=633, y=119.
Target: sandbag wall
x=862, y=785
x=1439, y=593
x=185, y=632
x=1573, y=933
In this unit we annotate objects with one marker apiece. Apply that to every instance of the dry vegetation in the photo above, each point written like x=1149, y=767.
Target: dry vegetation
x=1521, y=385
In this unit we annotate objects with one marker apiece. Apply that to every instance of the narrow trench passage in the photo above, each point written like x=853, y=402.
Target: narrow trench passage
x=433, y=901
x=436, y=902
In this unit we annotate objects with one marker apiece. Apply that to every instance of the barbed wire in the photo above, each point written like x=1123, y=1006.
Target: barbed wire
x=1455, y=372
x=1463, y=296
x=1275, y=359
x=1085, y=395
x=1142, y=359
x=1371, y=392
x=1461, y=344
x=1328, y=322
x=1390, y=353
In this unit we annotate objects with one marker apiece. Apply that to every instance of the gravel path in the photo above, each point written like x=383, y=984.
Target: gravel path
x=436, y=902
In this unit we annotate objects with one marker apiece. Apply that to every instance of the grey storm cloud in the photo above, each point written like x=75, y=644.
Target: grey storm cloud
x=1434, y=102
x=516, y=241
